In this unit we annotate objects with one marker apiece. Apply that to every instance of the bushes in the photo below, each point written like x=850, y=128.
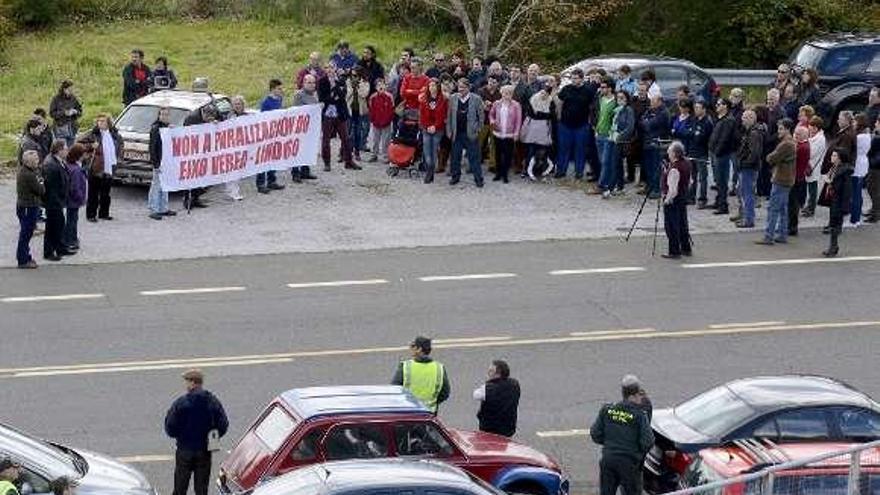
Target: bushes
x=33, y=14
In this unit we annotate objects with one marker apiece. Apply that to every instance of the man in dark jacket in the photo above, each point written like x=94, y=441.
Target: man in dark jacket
x=157, y=199
x=574, y=125
x=499, y=401
x=191, y=420
x=205, y=115
x=31, y=141
x=332, y=92
x=371, y=67
x=874, y=174
x=699, y=154
x=30, y=191
x=722, y=146
x=655, y=128
x=751, y=155
x=57, y=184
x=135, y=78
x=624, y=432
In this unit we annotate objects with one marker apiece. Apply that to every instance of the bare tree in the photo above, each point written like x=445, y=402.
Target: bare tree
x=509, y=26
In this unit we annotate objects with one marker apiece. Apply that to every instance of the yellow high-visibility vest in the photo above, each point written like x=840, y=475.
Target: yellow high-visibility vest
x=7, y=487
x=424, y=380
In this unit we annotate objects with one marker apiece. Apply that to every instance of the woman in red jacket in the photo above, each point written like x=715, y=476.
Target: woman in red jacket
x=432, y=122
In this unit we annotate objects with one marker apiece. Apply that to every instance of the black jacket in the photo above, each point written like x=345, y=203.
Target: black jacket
x=132, y=89
x=874, y=153
x=723, y=139
x=498, y=409
x=57, y=183
x=751, y=148
x=700, y=138
x=192, y=416
x=333, y=94
x=156, y=143
x=623, y=429
x=576, y=103
x=654, y=125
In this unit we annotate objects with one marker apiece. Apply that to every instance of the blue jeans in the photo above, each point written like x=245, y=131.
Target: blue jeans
x=430, y=147
x=855, y=209
x=27, y=219
x=607, y=151
x=157, y=199
x=460, y=144
x=747, y=179
x=358, y=130
x=777, y=214
x=568, y=138
x=721, y=169
x=651, y=167
x=266, y=178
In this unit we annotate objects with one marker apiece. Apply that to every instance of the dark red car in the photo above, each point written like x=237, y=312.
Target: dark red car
x=313, y=425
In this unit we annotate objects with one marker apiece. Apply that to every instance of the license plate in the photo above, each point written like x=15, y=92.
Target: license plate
x=137, y=156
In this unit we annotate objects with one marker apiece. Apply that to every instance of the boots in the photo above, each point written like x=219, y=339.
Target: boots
x=295, y=175
x=442, y=159
x=305, y=172
x=833, y=247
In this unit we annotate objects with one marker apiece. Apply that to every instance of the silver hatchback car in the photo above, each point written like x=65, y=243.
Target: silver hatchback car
x=43, y=461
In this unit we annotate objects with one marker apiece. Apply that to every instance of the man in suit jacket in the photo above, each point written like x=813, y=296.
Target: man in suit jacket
x=57, y=184
x=465, y=118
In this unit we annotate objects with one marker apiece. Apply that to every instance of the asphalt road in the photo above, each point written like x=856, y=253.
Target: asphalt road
x=92, y=354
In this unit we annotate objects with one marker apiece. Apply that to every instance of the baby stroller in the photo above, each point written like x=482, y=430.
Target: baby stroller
x=405, y=149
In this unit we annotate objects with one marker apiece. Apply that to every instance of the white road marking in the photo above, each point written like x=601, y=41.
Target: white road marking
x=152, y=367
x=338, y=283
x=141, y=459
x=799, y=261
x=60, y=297
x=747, y=325
x=563, y=433
x=589, y=271
x=473, y=339
x=201, y=290
x=473, y=276
x=623, y=331
x=601, y=336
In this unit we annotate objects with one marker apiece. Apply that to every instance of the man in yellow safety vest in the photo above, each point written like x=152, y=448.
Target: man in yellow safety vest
x=422, y=376
x=9, y=473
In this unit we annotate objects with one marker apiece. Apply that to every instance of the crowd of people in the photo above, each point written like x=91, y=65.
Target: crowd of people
x=608, y=124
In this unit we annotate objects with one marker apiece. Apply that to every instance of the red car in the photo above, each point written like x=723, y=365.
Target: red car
x=747, y=456
x=306, y=426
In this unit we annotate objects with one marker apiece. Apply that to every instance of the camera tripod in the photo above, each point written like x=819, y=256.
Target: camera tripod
x=656, y=221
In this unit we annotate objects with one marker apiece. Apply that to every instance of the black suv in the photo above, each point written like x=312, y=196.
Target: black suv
x=848, y=65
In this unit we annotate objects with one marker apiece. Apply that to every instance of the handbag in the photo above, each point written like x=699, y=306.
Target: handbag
x=826, y=196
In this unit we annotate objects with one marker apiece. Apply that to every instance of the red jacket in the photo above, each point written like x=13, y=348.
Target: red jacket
x=433, y=113
x=802, y=161
x=411, y=88
x=381, y=109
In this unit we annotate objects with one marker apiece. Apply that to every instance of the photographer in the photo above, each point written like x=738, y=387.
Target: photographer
x=163, y=77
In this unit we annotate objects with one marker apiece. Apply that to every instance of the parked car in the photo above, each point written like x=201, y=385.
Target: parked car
x=385, y=476
x=848, y=65
x=779, y=408
x=135, y=121
x=826, y=477
x=44, y=461
x=670, y=72
x=307, y=426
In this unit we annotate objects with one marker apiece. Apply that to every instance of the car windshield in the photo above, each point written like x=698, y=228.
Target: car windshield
x=274, y=429
x=139, y=118
x=55, y=459
x=714, y=413
x=808, y=56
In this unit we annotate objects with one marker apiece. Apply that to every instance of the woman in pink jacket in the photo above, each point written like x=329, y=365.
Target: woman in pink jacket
x=505, y=119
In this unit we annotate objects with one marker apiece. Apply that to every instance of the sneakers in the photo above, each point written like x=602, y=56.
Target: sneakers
x=170, y=213
x=854, y=225
x=276, y=187
x=156, y=216
x=263, y=190
x=764, y=242
x=606, y=194
x=30, y=265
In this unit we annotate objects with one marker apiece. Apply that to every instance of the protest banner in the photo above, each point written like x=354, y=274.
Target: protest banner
x=207, y=154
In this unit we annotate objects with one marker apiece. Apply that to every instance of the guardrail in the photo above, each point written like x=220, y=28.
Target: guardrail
x=742, y=77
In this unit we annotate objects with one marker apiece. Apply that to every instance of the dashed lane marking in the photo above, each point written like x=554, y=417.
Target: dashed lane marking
x=338, y=283
x=563, y=433
x=798, y=261
x=200, y=290
x=590, y=271
x=142, y=459
x=473, y=339
x=747, y=325
x=472, y=276
x=622, y=331
x=59, y=297
x=152, y=367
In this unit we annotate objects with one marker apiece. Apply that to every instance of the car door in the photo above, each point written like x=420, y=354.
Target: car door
x=808, y=423
x=303, y=452
x=356, y=441
x=423, y=439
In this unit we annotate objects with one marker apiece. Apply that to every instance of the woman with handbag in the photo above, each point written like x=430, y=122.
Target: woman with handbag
x=837, y=195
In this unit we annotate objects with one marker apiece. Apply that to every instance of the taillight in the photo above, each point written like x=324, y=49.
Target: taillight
x=677, y=461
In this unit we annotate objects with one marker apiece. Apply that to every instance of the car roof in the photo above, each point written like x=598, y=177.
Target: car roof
x=837, y=39
x=187, y=100
x=362, y=399
x=24, y=448
x=615, y=60
x=776, y=392
x=367, y=474
x=749, y=455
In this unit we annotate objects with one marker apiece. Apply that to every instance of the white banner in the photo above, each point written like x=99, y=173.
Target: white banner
x=208, y=154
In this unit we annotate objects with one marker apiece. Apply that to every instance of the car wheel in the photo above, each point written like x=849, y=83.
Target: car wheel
x=525, y=489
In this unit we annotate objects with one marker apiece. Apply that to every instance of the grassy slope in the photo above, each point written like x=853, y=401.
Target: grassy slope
x=237, y=57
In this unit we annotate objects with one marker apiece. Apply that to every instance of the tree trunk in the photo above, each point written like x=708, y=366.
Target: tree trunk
x=483, y=35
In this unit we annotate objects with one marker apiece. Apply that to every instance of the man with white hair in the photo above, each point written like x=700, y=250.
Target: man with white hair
x=624, y=432
x=675, y=179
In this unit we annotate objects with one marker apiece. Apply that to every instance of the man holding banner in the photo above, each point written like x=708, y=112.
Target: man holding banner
x=206, y=115
x=200, y=155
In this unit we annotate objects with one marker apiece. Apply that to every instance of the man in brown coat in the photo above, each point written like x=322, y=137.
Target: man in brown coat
x=782, y=162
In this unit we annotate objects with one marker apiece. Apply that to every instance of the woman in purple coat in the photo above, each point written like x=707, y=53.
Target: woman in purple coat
x=76, y=197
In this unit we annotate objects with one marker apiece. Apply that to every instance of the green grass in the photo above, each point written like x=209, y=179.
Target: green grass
x=238, y=57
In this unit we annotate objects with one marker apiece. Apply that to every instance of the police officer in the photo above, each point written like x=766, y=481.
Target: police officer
x=9, y=474
x=624, y=432
x=422, y=376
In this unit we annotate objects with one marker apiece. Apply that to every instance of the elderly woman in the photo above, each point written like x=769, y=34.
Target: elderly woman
x=676, y=177
x=233, y=189
x=505, y=119
x=30, y=189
